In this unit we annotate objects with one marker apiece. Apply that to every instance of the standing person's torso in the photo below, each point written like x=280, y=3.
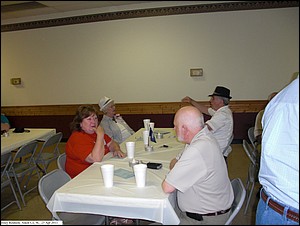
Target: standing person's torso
x=279, y=164
x=221, y=124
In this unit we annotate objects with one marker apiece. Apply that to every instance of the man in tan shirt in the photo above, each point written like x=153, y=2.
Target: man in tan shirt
x=258, y=126
x=199, y=173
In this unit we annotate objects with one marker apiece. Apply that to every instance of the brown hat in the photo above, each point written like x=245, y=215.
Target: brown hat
x=222, y=92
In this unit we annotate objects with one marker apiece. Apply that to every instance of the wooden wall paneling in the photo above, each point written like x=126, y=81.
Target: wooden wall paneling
x=240, y=106
x=60, y=116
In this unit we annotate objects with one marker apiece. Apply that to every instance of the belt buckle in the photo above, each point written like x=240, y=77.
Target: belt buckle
x=195, y=216
x=222, y=212
x=272, y=204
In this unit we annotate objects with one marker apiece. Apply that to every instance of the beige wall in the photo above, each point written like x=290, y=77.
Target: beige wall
x=252, y=52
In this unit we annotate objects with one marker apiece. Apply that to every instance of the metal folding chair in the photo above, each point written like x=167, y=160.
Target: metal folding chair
x=6, y=180
x=25, y=169
x=253, y=140
x=52, y=181
x=239, y=198
x=49, y=152
x=61, y=161
x=253, y=168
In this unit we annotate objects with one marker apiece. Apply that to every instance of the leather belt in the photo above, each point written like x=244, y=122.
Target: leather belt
x=198, y=216
x=279, y=208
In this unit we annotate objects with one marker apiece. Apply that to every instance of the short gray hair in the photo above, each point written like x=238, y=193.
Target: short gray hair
x=225, y=100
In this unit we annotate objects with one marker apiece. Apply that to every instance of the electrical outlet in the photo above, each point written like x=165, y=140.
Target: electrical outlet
x=15, y=81
x=196, y=72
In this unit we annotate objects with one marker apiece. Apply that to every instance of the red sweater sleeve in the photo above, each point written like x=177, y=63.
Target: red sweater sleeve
x=78, y=147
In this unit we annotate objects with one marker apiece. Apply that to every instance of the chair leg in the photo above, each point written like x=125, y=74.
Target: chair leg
x=106, y=220
x=27, y=181
x=249, y=198
x=41, y=169
x=29, y=177
x=18, y=183
x=247, y=183
x=15, y=195
x=19, y=189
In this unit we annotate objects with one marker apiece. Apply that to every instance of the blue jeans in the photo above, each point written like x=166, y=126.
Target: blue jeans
x=267, y=216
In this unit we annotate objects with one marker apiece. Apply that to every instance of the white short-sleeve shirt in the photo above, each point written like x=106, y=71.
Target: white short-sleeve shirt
x=221, y=124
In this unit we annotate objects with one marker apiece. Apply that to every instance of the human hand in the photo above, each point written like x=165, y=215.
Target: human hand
x=100, y=131
x=186, y=99
x=5, y=126
x=119, y=154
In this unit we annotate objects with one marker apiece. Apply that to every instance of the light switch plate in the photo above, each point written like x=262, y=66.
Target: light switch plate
x=196, y=72
x=15, y=81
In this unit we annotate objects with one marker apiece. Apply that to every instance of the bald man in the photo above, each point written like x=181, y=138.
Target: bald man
x=198, y=173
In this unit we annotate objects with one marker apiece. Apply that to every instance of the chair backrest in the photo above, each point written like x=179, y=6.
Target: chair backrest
x=28, y=149
x=228, y=145
x=239, y=198
x=49, y=151
x=5, y=162
x=61, y=161
x=251, y=137
x=50, y=182
x=249, y=151
x=24, y=170
x=53, y=141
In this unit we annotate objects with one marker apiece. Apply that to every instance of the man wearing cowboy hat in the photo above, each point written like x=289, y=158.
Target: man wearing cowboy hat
x=221, y=122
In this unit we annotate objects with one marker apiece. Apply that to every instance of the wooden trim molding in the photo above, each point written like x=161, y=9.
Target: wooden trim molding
x=151, y=12
x=241, y=106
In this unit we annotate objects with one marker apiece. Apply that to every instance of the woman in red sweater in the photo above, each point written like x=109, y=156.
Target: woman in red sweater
x=88, y=143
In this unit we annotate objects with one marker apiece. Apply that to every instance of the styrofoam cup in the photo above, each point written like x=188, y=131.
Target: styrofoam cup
x=146, y=137
x=140, y=173
x=130, y=146
x=108, y=175
x=146, y=124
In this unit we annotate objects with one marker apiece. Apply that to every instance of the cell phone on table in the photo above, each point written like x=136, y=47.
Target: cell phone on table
x=153, y=165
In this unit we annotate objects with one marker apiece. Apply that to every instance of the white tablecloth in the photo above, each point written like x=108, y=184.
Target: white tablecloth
x=86, y=192
x=16, y=140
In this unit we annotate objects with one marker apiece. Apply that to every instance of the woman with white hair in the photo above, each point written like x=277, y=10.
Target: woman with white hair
x=113, y=124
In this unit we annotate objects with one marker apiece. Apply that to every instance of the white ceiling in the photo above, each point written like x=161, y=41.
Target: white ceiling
x=22, y=9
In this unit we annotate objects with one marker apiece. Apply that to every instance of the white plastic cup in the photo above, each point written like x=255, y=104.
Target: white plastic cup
x=108, y=175
x=146, y=124
x=146, y=137
x=151, y=125
x=140, y=173
x=130, y=146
